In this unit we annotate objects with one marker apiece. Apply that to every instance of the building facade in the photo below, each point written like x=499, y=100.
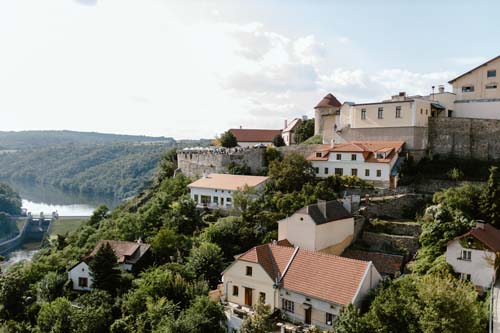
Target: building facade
x=473, y=255
x=254, y=137
x=215, y=191
x=373, y=161
x=288, y=133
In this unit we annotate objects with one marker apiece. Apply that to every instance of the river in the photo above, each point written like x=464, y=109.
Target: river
x=47, y=199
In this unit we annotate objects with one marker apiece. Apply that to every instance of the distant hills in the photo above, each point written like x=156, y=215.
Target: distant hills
x=87, y=162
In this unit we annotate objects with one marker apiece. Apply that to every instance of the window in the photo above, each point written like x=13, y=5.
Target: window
x=354, y=172
x=339, y=157
x=380, y=113
x=326, y=171
x=426, y=112
x=450, y=113
x=339, y=171
x=398, y=112
x=249, y=270
x=205, y=199
x=466, y=255
x=367, y=172
x=318, y=154
x=287, y=305
x=465, y=276
x=491, y=86
x=83, y=282
x=262, y=297
x=317, y=170
x=353, y=157
x=216, y=200
x=329, y=319
x=380, y=155
x=363, y=113
x=228, y=200
x=235, y=290
x=421, y=111
x=468, y=89
x=379, y=173
x=196, y=197
x=491, y=73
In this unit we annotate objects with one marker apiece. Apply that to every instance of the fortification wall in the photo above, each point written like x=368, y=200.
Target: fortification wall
x=194, y=164
x=465, y=137
x=304, y=150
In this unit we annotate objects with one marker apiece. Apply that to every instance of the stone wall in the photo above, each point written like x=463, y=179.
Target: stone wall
x=304, y=150
x=465, y=137
x=385, y=242
x=194, y=164
x=392, y=207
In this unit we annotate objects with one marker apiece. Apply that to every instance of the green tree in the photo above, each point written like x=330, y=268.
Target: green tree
x=204, y=315
x=291, y=173
x=278, y=141
x=238, y=169
x=167, y=244
x=10, y=201
x=228, y=140
x=304, y=131
x=56, y=317
x=206, y=260
x=13, y=291
x=51, y=287
x=350, y=321
x=104, y=269
x=99, y=214
x=490, y=202
x=260, y=321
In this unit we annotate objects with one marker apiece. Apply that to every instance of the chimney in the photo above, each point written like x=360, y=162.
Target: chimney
x=286, y=123
x=241, y=127
x=402, y=94
x=322, y=207
x=479, y=224
x=441, y=89
x=304, y=118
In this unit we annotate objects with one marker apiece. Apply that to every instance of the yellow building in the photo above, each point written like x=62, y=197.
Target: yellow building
x=477, y=93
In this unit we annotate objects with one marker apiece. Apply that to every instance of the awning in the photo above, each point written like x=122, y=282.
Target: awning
x=438, y=106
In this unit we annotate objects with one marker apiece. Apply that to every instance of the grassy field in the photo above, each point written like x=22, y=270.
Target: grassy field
x=64, y=225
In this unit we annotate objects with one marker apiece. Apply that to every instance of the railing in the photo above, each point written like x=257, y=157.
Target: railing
x=491, y=309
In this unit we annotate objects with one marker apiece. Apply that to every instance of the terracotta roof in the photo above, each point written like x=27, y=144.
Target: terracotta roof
x=129, y=252
x=315, y=274
x=228, y=182
x=294, y=123
x=328, y=101
x=488, y=235
x=334, y=211
x=284, y=242
x=369, y=149
x=384, y=263
x=254, y=135
x=485, y=63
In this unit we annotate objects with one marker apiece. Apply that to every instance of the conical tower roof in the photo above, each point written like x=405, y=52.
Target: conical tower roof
x=329, y=101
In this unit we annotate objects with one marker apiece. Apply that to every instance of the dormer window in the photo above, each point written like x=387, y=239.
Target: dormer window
x=353, y=157
x=318, y=154
x=380, y=155
x=339, y=157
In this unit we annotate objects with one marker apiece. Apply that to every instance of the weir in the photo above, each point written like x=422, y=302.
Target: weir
x=34, y=229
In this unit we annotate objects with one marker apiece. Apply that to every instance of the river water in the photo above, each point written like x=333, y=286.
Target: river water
x=47, y=199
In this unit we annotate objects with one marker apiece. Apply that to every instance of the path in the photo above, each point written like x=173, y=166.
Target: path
x=496, y=308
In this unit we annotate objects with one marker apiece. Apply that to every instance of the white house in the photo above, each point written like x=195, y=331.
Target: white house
x=306, y=286
x=375, y=161
x=288, y=133
x=130, y=256
x=325, y=226
x=216, y=190
x=474, y=255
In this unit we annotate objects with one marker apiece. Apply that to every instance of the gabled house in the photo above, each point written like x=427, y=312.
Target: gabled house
x=254, y=137
x=373, y=161
x=288, y=133
x=216, y=189
x=305, y=286
x=325, y=226
x=131, y=257
x=474, y=256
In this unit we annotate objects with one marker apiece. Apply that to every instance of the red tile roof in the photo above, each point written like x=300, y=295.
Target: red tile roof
x=328, y=101
x=254, y=135
x=228, y=182
x=488, y=235
x=123, y=250
x=315, y=274
x=367, y=148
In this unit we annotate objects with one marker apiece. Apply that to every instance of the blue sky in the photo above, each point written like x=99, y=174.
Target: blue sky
x=192, y=69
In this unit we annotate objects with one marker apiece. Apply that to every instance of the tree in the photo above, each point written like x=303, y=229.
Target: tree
x=350, y=321
x=260, y=321
x=10, y=201
x=204, y=315
x=291, y=173
x=56, y=317
x=104, y=269
x=490, y=202
x=278, y=141
x=206, y=260
x=167, y=244
x=51, y=287
x=13, y=289
x=228, y=140
x=99, y=214
x=304, y=131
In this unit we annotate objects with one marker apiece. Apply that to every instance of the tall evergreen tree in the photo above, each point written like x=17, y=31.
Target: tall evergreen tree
x=491, y=197
x=104, y=269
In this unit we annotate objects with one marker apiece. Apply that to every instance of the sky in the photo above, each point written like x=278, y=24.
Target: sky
x=193, y=69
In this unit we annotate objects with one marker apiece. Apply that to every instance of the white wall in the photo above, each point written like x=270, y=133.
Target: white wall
x=370, y=281
x=299, y=229
x=477, y=109
x=80, y=270
x=347, y=166
x=481, y=271
x=213, y=193
x=333, y=233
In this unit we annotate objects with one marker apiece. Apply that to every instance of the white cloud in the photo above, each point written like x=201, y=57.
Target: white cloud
x=468, y=61
x=308, y=50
